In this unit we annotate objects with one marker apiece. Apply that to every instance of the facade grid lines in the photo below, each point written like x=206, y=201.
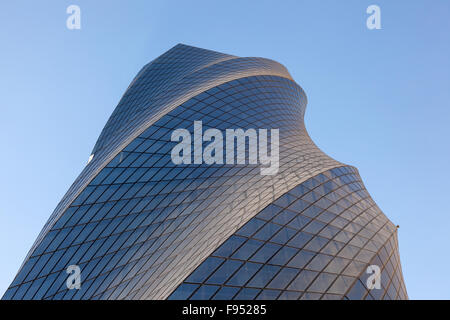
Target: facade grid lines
x=139, y=226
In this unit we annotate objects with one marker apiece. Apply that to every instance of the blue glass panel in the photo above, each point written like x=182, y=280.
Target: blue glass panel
x=283, y=278
x=247, y=249
x=263, y=276
x=224, y=272
x=229, y=246
x=283, y=236
x=302, y=281
x=300, y=240
x=301, y=259
x=247, y=294
x=265, y=252
x=226, y=293
x=268, y=294
x=269, y=212
x=205, y=269
x=267, y=231
x=251, y=227
x=244, y=274
x=204, y=292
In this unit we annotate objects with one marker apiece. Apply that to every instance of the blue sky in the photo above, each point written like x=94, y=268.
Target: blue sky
x=378, y=100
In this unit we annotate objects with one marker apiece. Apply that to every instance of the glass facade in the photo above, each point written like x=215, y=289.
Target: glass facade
x=141, y=227
x=314, y=242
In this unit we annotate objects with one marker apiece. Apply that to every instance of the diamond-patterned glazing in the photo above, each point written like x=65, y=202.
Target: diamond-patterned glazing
x=138, y=225
x=314, y=242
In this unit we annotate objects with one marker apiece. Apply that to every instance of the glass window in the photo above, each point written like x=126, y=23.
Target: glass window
x=225, y=293
x=329, y=231
x=298, y=206
x=83, y=196
x=267, y=231
x=204, y=270
x=269, y=212
x=264, y=275
x=265, y=252
x=284, y=217
x=299, y=222
x=283, y=236
x=322, y=282
x=183, y=291
x=224, y=272
x=268, y=294
x=226, y=249
x=290, y=295
x=205, y=292
x=357, y=292
x=301, y=259
x=283, y=256
x=312, y=211
x=299, y=190
x=303, y=280
x=285, y=200
x=319, y=262
x=247, y=249
x=337, y=265
x=247, y=271
x=311, y=296
x=283, y=278
x=316, y=244
x=251, y=227
x=341, y=285
x=65, y=217
x=300, y=240
x=247, y=294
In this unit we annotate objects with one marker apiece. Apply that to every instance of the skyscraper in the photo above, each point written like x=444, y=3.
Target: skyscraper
x=138, y=224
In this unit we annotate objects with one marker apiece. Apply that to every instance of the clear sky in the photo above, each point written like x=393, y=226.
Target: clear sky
x=378, y=100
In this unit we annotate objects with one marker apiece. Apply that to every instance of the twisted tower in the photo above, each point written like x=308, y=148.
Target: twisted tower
x=139, y=226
